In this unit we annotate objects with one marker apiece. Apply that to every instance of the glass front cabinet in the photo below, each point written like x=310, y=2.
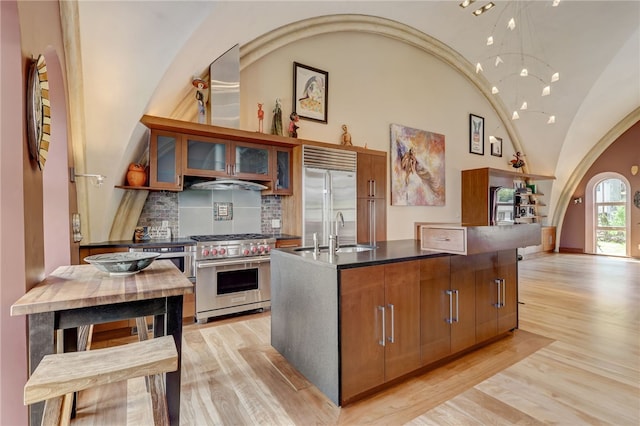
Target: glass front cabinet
x=164, y=161
x=211, y=157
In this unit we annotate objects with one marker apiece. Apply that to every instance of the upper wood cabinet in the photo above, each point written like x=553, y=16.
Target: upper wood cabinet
x=372, y=176
x=215, y=157
x=165, y=161
x=371, y=198
x=178, y=149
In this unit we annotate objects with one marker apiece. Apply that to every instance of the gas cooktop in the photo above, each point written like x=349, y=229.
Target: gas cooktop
x=229, y=237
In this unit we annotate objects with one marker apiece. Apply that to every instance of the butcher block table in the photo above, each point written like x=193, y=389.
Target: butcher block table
x=78, y=295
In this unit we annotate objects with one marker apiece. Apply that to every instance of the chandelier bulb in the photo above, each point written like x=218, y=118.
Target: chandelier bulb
x=499, y=60
x=512, y=24
x=524, y=72
x=494, y=90
x=524, y=106
x=552, y=119
x=479, y=67
x=555, y=77
x=489, y=40
x=515, y=115
x=546, y=90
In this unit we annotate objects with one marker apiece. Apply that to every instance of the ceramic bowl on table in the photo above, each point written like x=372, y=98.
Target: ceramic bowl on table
x=123, y=263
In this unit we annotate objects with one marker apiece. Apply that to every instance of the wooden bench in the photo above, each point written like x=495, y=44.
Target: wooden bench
x=58, y=375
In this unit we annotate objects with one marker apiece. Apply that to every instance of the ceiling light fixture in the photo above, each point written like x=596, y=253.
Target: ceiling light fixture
x=512, y=52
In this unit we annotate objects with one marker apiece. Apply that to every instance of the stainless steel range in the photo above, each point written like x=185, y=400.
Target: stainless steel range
x=232, y=274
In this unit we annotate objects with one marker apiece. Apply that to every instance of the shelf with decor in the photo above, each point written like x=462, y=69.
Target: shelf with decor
x=477, y=187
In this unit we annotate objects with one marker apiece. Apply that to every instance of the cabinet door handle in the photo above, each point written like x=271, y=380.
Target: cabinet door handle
x=392, y=338
x=384, y=338
x=504, y=292
x=373, y=223
x=457, y=318
x=373, y=188
x=498, y=282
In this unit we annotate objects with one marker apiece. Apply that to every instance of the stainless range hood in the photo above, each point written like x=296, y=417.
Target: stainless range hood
x=229, y=184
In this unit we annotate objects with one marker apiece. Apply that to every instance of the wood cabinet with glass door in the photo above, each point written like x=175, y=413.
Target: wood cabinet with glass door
x=215, y=157
x=165, y=157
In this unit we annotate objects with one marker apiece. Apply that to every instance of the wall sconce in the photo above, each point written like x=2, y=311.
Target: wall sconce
x=99, y=179
x=577, y=200
x=634, y=170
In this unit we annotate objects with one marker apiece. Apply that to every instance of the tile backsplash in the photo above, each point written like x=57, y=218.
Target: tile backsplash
x=191, y=212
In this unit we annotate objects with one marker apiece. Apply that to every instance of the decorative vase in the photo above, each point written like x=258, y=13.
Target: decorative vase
x=136, y=175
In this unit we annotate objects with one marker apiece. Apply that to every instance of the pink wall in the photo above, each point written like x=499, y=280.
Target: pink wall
x=27, y=193
x=618, y=157
x=55, y=176
x=13, y=346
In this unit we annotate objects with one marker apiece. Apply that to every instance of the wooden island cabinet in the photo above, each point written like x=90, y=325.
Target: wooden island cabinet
x=380, y=333
x=359, y=321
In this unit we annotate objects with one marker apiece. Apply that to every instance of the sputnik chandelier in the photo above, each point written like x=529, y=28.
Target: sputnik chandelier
x=514, y=57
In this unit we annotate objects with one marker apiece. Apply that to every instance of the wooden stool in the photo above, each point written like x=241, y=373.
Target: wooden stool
x=60, y=374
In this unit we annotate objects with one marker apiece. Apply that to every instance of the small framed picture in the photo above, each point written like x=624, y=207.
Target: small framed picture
x=476, y=134
x=496, y=147
x=310, y=92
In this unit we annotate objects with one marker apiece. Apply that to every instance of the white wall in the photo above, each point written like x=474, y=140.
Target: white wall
x=375, y=81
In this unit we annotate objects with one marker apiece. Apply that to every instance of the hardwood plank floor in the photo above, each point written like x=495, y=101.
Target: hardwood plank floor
x=574, y=360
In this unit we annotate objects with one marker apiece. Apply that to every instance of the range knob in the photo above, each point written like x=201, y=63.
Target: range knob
x=205, y=252
x=267, y=249
x=245, y=252
x=214, y=252
x=222, y=251
x=261, y=249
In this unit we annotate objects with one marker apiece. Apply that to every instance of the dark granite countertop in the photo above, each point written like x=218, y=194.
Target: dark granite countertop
x=385, y=252
x=180, y=241
x=184, y=241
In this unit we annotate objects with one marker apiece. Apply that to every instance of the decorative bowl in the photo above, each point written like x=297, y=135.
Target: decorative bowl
x=123, y=263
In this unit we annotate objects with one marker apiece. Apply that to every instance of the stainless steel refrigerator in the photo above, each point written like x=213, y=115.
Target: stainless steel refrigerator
x=329, y=188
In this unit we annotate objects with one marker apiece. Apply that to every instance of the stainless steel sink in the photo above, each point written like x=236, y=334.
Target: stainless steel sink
x=343, y=249
x=354, y=249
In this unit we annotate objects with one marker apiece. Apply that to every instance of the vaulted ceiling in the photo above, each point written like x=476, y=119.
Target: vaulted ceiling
x=141, y=51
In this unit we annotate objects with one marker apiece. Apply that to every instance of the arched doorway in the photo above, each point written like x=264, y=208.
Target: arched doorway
x=607, y=209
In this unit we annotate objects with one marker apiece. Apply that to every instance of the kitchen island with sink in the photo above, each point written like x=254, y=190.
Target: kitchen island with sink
x=354, y=322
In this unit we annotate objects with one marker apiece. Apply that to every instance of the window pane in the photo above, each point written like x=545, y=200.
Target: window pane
x=610, y=190
x=611, y=215
x=611, y=242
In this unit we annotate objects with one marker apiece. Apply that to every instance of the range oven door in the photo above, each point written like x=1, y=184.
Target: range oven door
x=234, y=285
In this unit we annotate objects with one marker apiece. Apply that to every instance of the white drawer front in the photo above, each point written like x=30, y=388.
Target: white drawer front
x=449, y=240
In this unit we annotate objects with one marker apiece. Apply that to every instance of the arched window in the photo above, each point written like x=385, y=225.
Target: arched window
x=607, y=215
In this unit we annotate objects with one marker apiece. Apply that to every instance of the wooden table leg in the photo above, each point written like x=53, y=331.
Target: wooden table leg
x=41, y=343
x=174, y=328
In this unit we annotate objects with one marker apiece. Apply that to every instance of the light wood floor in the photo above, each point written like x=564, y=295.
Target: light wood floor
x=575, y=360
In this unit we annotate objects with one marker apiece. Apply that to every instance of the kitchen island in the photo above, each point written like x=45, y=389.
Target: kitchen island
x=354, y=322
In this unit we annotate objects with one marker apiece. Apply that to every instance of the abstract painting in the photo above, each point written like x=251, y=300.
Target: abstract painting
x=417, y=167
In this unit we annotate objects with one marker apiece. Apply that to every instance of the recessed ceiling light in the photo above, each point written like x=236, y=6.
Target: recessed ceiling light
x=466, y=3
x=483, y=9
